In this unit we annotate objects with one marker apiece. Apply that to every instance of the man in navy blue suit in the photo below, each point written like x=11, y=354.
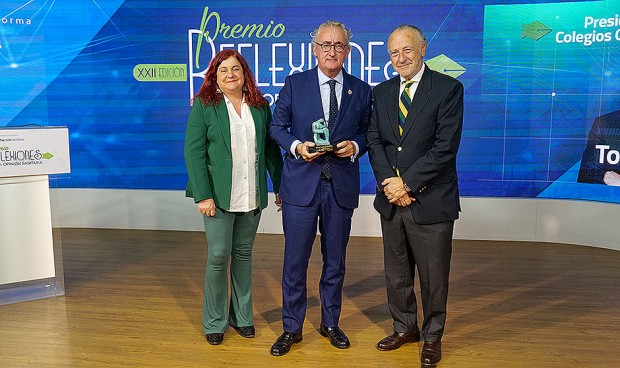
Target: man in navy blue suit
x=319, y=186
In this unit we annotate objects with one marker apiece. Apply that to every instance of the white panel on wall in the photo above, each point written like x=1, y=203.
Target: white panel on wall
x=562, y=221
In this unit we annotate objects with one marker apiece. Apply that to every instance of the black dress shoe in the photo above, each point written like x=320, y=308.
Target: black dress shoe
x=431, y=352
x=284, y=342
x=245, y=331
x=336, y=336
x=215, y=338
x=397, y=339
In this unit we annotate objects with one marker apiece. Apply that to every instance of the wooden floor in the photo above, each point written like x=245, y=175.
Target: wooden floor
x=133, y=298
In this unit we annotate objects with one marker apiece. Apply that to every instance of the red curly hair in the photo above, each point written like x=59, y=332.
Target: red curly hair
x=208, y=91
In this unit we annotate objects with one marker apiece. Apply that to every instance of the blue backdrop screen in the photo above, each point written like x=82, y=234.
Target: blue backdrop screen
x=121, y=74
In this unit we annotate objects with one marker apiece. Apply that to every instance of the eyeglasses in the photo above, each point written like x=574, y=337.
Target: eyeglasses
x=326, y=47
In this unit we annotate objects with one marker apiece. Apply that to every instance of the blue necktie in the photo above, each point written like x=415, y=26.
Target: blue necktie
x=333, y=113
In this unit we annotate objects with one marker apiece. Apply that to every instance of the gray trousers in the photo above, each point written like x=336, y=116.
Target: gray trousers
x=408, y=245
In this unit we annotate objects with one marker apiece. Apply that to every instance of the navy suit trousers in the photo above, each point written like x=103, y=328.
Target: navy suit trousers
x=300, y=225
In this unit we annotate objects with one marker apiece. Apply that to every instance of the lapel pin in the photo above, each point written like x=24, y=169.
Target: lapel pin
x=350, y=92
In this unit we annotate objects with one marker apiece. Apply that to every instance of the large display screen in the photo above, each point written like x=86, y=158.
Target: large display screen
x=541, y=79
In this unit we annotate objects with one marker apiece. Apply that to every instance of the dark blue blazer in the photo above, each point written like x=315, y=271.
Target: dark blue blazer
x=297, y=107
x=425, y=154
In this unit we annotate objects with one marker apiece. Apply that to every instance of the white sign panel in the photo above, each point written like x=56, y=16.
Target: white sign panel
x=26, y=241
x=34, y=151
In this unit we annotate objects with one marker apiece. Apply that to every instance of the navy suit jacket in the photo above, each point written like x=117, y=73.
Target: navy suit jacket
x=425, y=154
x=298, y=106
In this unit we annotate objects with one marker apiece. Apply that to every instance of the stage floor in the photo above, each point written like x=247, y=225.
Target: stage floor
x=134, y=298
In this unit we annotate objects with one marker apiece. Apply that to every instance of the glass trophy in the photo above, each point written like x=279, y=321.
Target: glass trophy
x=321, y=137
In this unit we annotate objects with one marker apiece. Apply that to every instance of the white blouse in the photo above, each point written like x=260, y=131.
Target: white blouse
x=243, y=194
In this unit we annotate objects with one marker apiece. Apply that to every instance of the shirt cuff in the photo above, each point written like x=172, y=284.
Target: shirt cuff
x=357, y=151
x=293, y=148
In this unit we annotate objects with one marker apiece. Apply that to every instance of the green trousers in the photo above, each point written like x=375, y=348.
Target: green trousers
x=230, y=237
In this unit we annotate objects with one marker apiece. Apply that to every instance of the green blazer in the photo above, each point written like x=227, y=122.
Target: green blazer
x=208, y=156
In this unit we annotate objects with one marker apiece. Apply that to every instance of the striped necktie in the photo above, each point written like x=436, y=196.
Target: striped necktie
x=403, y=106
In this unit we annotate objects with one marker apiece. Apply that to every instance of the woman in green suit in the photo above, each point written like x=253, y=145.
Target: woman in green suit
x=228, y=153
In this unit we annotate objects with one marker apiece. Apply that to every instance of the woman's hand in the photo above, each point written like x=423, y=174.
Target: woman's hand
x=207, y=207
x=278, y=202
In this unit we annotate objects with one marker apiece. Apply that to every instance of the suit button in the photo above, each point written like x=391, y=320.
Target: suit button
x=400, y=149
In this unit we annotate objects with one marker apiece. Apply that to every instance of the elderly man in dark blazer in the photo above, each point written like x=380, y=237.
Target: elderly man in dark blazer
x=413, y=139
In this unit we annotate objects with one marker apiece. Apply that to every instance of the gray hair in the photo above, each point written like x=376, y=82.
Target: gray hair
x=408, y=27
x=331, y=23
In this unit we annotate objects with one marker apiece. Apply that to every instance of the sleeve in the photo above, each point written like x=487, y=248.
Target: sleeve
x=362, y=130
x=279, y=129
x=195, y=152
x=376, y=152
x=273, y=156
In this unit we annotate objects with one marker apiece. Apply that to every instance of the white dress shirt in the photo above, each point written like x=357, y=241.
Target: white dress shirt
x=416, y=82
x=325, y=93
x=243, y=193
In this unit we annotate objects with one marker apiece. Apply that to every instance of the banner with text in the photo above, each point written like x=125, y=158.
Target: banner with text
x=34, y=151
x=541, y=83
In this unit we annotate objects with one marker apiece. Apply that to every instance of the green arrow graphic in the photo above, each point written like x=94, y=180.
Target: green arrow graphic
x=445, y=65
x=535, y=30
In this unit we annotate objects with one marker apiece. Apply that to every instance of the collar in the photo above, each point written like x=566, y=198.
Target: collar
x=416, y=78
x=228, y=101
x=324, y=79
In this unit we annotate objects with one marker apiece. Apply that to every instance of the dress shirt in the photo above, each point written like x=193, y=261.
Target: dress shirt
x=325, y=93
x=243, y=194
x=416, y=82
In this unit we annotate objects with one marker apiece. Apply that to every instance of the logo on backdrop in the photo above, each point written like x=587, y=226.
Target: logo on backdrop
x=595, y=30
x=280, y=58
x=272, y=56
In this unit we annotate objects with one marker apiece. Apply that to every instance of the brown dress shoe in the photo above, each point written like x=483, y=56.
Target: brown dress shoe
x=431, y=352
x=397, y=339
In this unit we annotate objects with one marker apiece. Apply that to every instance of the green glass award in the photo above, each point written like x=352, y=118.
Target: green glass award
x=321, y=137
